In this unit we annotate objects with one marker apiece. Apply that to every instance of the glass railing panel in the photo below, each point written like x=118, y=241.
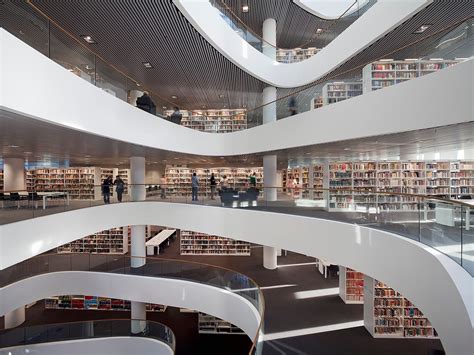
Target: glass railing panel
x=45, y=333
x=71, y=55
x=110, y=80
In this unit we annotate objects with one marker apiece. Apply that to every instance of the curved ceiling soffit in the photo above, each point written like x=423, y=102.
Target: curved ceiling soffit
x=380, y=19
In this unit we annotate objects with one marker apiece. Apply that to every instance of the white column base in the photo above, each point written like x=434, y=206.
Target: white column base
x=138, y=313
x=269, y=258
x=15, y=318
x=138, y=247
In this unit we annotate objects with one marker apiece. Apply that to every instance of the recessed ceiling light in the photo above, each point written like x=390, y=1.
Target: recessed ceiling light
x=411, y=59
x=147, y=65
x=436, y=58
x=13, y=146
x=245, y=8
x=422, y=28
x=386, y=60
x=319, y=30
x=137, y=84
x=164, y=107
x=347, y=149
x=221, y=96
x=89, y=39
x=28, y=153
x=174, y=96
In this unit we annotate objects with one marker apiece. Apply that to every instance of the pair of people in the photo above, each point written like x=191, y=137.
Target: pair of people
x=108, y=183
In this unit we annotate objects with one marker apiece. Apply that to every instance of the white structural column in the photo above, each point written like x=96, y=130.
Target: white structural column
x=15, y=318
x=14, y=174
x=269, y=115
x=138, y=237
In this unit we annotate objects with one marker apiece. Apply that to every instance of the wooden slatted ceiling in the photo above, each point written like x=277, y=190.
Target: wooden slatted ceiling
x=185, y=65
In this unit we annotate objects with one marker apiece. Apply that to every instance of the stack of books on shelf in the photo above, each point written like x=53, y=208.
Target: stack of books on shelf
x=295, y=55
x=304, y=182
x=194, y=243
x=393, y=315
x=381, y=74
x=215, y=121
x=208, y=324
x=340, y=91
x=79, y=302
x=112, y=241
x=351, y=285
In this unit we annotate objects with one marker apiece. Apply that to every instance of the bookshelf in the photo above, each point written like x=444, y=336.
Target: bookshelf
x=208, y=324
x=79, y=302
x=387, y=314
x=340, y=91
x=295, y=55
x=381, y=74
x=214, y=121
x=300, y=179
x=194, y=243
x=112, y=241
x=449, y=179
x=180, y=178
x=316, y=102
x=1, y=180
x=351, y=285
x=78, y=182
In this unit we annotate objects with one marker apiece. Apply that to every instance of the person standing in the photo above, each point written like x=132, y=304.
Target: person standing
x=194, y=187
x=176, y=116
x=253, y=180
x=212, y=182
x=145, y=103
x=292, y=106
x=119, y=187
x=106, y=189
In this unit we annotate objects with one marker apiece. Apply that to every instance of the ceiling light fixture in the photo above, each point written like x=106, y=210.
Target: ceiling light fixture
x=386, y=60
x=423, y=28
x=147, y=65
x=221, y=96
x=245, y=8
x=13, y=146
x=89, y=39
x=319, y=30
x=174, y=96
x=164, y=107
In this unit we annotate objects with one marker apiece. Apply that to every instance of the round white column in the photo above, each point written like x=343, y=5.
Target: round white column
x=138, y=313
x=138, y=247
x=137, y=179
x=270, y=177
x=269, y=101
x=269, y=258
x=14, y=174
x=269, y=38
x=15, y=318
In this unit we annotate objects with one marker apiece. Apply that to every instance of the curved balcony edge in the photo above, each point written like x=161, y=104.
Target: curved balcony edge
x=107, y=346
x=446, y=293
x=157, y=290
x=428, y=101
x=35, y=338
x=380, y=19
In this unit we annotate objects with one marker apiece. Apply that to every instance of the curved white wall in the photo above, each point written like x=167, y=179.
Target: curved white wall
x=172, y=292
x=379, y=20
x=445, y=294
x=428, y=102
x=330, y=10
x=102, y=346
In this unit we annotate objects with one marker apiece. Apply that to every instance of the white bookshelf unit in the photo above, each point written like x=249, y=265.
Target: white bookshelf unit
x=351, y=285
x=214, y=121
x=194, y=243
x=1, y=180
x=112, y=241
x=301, y=181
x=387, y=314
x=449, y=179
x=79, y=302
x=340, y=91
x=316, y=102
x=295, y=55
x=179, y=178
x=381, y=74
x=208, y=324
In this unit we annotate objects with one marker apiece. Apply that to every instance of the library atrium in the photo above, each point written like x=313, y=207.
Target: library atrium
x=233, y=177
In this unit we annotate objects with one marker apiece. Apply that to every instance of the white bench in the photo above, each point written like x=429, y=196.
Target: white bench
x=157, y=240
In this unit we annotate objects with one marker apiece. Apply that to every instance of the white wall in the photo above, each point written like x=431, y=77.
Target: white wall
x=172, y=292
x=445, y=294
x=428, y=102
x=379, y=20
x=103, y=346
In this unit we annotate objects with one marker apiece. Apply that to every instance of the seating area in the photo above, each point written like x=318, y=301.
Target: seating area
x=235, y=198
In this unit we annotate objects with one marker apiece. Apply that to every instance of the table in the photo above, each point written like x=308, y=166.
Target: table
x=157, y=240
x=46, y=195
